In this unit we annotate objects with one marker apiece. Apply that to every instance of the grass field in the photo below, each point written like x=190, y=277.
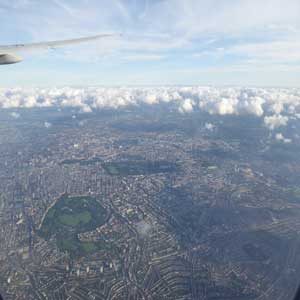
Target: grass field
x=71, y=216
x=75, y=219
x=139, y=167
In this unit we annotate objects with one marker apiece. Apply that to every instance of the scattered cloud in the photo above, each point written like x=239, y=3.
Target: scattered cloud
x=47, y=125
x=209, y=126
x=280, y=137
x=275, y=106
x=186, y=106
x=141, y=57
x=276, y=121
x=15, y=115
x=283, y=51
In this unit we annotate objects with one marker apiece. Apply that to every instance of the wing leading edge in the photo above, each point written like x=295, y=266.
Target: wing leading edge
x=7, y=55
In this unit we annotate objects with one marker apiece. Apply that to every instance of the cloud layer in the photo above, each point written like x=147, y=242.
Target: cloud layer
x=275, y=106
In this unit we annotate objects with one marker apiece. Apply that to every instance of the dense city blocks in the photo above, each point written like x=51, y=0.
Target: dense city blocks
x=119, y=204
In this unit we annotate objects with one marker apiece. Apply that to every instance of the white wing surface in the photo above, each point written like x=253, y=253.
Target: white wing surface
x=7, y=52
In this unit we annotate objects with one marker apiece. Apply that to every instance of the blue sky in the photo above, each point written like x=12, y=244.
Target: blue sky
x=164, y=42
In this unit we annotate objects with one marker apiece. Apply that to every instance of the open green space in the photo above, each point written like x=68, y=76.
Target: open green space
x=139, y=167
x=292, y=194
x=81, y=161
x=70, y=216
x=70, y=219
x=296, y=192
x=75, y=247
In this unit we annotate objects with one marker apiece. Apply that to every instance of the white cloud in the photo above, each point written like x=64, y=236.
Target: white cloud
x=197, y=16
x=209, y=126
x=141, y=57
x=280, y=137
x=186, y=106
x=275, y=106
x=156, y=24
x=47, y=125
x=276, y=121
x=15, y=115
x=287, y=51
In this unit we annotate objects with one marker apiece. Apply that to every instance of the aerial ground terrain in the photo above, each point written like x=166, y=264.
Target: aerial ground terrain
x=147, y=203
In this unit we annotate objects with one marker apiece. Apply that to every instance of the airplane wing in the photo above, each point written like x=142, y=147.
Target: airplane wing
x=7, y=51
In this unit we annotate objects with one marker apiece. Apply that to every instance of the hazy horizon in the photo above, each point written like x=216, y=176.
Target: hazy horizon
x=249, y=43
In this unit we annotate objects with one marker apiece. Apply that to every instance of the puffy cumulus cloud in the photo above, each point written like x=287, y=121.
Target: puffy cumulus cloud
x=186, y=106
x=15, y=115
x=232, y=101
x=252, y=105
x=276, y=121
x=225, y=106
x=276, y=106
x=47, y=124
x=280, y=137
x=209, y=126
